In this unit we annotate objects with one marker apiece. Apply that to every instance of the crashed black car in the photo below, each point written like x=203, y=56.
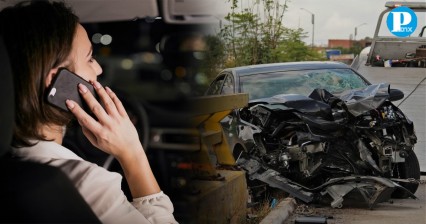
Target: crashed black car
x=320, y=132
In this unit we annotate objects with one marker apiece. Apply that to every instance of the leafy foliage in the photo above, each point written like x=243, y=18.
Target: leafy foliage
x=256, y=35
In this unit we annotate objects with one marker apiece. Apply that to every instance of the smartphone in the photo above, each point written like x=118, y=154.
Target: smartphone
x=65, y=86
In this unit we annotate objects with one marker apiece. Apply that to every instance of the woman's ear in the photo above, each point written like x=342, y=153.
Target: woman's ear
x=50, y=76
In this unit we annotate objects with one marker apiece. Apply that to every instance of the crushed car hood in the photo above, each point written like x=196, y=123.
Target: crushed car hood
x=357, y=101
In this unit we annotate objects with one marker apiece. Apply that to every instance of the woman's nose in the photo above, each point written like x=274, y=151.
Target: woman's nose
x=98, y=68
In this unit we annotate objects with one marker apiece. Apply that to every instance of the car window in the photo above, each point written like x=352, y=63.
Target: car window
x=300, y=82
x=228, y=85
x=216, y=86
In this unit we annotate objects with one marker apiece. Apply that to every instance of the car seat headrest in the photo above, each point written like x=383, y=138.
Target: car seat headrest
x=7, y=115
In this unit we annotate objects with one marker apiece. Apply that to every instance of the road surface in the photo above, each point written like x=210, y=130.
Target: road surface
x=404, y=211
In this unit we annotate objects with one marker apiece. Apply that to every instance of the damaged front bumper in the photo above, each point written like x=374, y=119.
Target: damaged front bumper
x=372, y=189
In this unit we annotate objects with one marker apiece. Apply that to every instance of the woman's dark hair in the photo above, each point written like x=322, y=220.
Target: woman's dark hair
x=38, y=37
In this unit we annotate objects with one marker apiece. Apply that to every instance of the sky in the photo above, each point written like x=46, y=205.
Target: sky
x=334, y=19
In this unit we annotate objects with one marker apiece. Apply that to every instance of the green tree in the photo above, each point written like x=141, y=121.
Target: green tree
x=292, y=48
x=255, y=34
x=241, y=35
x=215, y=57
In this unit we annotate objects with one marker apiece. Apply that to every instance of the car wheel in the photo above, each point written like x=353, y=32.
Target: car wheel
x=409, y=169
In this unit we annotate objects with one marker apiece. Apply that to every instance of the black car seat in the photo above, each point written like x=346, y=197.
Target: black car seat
x=32, y=192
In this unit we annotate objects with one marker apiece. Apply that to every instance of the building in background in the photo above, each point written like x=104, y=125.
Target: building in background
x=345, y=50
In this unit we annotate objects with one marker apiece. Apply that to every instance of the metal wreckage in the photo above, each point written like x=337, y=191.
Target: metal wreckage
x=329, y=148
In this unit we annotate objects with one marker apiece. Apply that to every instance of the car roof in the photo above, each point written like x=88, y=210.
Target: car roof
x=285, y=66
x=101, y=11
x=172, y=11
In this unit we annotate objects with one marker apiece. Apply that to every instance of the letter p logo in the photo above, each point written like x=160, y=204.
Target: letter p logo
x=402, y=21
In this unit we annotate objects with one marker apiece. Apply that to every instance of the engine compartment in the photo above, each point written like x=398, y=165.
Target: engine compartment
x=309, y=141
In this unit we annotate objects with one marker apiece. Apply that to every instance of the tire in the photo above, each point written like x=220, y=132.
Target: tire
x=409, y=169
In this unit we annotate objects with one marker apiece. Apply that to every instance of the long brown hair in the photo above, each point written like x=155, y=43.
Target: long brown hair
x=38, y=37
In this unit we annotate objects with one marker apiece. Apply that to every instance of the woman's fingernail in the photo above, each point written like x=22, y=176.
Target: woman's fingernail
x=70, y=104
x=97, y=84
x=108, y=89
x=82, y=88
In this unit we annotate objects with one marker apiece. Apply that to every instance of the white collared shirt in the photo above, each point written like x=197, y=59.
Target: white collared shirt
x=100, y=188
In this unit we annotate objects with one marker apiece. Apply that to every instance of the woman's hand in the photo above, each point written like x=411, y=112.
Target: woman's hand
x=113, y=132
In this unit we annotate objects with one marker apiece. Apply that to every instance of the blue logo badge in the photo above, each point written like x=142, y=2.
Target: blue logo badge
x=402, y=21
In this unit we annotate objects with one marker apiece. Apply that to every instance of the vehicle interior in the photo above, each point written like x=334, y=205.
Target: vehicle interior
x=151, y=55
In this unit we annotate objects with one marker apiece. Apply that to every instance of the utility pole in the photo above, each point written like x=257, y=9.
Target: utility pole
x=313, y=25
x=356, y=29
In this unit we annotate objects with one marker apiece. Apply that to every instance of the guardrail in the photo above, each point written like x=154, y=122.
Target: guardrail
x=214, y=149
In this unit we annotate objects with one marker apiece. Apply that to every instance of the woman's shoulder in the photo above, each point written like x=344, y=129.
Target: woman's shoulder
x=46, y=150
x=80, y=171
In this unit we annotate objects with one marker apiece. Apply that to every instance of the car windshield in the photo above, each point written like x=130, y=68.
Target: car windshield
x=299, y=82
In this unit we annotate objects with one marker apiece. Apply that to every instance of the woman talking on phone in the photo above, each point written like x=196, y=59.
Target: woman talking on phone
x=42, y=37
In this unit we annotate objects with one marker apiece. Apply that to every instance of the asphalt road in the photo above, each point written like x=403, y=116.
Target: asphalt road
x=399, y=211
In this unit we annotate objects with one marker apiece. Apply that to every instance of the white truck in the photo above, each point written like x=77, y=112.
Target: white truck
x=401, y=62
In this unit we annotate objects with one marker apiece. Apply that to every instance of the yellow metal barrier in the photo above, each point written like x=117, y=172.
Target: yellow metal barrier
x=214, y=148
x=222, y=194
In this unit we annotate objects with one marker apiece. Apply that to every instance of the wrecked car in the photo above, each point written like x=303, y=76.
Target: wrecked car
x=320, y=132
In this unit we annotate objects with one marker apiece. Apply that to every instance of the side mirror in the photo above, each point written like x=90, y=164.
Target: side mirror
x=395, y=94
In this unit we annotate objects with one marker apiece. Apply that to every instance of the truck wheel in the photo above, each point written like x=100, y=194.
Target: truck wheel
x=409, y=169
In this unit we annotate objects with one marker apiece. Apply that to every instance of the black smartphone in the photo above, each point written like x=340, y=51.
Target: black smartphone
x=65, y=86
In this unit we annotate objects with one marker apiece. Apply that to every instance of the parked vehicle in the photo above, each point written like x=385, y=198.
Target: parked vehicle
x=319, y=130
